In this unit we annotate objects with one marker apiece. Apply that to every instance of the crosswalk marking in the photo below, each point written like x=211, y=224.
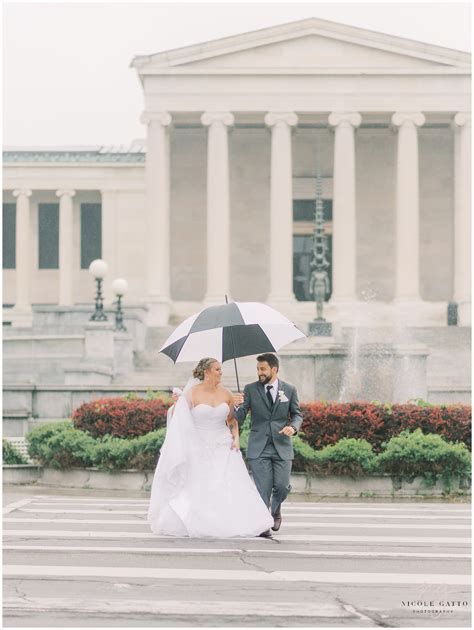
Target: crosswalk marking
x=294, y=524
x=288, y=504
x=285, y=512
x=176, y=607
x=22, y=570
x=233, y=550
x=80, y=533
x=15, y=506
x=55, y=536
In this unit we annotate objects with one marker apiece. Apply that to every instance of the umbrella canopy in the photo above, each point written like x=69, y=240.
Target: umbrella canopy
x=238, y=329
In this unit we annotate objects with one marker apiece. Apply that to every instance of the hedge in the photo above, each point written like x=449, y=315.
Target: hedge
x=327, y=423
x=413, y=454
x=60, y=445
x=12, y=455
x=121, y=417
x=410, y=454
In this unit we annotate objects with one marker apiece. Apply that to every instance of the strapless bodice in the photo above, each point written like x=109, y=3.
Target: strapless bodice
x=211, y=422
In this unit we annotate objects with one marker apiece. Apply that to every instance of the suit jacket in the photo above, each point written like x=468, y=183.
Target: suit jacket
x=267, y=419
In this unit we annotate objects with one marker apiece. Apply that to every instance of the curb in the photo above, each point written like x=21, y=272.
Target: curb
x=302, y=483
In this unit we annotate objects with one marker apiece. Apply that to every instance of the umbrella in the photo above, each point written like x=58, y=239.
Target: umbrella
x=228, y=331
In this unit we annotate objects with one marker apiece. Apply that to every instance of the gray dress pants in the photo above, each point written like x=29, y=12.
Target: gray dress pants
x=271, y=473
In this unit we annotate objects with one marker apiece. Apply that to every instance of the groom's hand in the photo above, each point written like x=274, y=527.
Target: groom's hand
x=238, y=399
x=289, y=431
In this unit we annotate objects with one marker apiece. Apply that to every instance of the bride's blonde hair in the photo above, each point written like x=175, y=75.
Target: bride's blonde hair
x=202, y=367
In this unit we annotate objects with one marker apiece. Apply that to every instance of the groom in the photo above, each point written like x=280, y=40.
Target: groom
x=276, y=417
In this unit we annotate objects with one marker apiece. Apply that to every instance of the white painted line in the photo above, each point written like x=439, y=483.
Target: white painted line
x=105, y=503
x=235, y=576
x=326, y=505
x=143, y=522
x=174, y=607
x=397, y=539
x=230, y=550
x=381, y=507
x=67, y=533
x=284, y=512
x=14, y=506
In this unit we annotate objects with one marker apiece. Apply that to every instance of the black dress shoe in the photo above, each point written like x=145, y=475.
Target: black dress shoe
x=276, y=522
x=265, y=534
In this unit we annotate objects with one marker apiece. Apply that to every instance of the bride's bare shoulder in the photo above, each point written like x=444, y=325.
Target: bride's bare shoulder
x=226, y=392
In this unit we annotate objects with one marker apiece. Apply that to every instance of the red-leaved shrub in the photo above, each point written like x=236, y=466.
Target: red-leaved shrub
x=326, y=423
x=120, y=417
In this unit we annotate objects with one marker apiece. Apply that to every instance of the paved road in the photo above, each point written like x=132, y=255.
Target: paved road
x=87, y=559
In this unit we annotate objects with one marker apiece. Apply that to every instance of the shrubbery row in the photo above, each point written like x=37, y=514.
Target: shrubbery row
x=410, y=454
x=323, y=423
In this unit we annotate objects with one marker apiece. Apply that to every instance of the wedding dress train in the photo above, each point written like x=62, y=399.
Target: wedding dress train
x=201, y=486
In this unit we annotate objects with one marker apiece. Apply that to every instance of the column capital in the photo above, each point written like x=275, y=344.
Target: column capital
x=25, y=192
x=65, y=193
x=161, y=118
x=462, y=119
x=287, y=118
x=223, y=118
x=400, y=118
x=338, y=118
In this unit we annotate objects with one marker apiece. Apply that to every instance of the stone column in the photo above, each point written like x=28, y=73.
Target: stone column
x=22, y=310
x=218, y=207
x=344, y=207
x=407, y=273
x=157, y=225
x=280, y=226
x=462, y=216
x=66, y=247
x=110, y=220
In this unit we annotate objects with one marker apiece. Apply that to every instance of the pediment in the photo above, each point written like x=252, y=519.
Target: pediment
x=312, y=51
x=304, y=45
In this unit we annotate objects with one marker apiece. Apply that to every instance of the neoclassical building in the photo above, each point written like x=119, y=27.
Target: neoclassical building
x=219, y=198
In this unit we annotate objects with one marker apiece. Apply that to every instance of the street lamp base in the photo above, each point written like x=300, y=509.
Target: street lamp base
x=320, y=328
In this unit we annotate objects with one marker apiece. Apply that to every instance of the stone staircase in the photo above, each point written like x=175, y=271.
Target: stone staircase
x=448, y=364
x=45, y=357
x=157, y=371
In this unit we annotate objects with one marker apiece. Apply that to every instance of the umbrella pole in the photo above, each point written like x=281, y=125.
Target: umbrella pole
x=233, y=352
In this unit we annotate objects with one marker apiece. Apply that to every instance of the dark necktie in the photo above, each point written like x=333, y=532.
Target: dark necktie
x=269, y=395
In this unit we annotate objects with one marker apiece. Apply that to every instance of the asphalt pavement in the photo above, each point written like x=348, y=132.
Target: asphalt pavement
x=86, y=558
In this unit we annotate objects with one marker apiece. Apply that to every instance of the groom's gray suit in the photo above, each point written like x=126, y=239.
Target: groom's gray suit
x=269, y=453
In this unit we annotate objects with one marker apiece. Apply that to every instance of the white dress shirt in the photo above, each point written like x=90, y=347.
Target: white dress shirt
x=274, y=389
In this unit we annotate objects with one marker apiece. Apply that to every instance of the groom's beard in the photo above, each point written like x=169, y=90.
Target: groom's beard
x=264, y=379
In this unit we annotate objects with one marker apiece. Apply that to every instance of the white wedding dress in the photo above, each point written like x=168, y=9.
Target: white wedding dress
x=201, y=486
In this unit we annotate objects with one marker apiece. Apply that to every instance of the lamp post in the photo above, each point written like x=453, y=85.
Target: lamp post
x=98, y=268
x=119, y=287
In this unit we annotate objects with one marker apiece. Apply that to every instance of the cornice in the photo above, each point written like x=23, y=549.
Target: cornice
x=295, y=30
x=70, y=157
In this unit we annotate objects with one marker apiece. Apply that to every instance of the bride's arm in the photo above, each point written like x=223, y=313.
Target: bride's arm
x=232, y=423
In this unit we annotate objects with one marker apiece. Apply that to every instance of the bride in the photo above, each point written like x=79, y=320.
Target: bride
x=201, y=486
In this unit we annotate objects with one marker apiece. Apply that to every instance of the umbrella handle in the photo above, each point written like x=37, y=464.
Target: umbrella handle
x=233, y=351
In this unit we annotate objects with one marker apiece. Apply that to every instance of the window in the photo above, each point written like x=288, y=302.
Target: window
x=91, y=233
x=9, y=235
x=304, y=209
x=48, y=236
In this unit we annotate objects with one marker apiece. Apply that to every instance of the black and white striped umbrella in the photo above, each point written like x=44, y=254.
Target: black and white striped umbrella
x=238, y=329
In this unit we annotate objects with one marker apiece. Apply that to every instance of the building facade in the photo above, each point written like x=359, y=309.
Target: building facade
x=219, y=198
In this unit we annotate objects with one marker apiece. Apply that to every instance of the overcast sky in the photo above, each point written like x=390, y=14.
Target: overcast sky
x=67, y=79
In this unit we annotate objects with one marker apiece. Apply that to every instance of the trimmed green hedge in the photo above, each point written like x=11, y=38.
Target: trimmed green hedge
x=410, y=454
x=60, y=445
x=12, y=455
x=413, y=454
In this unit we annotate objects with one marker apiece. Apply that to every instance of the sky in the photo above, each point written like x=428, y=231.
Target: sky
x=66, y=74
